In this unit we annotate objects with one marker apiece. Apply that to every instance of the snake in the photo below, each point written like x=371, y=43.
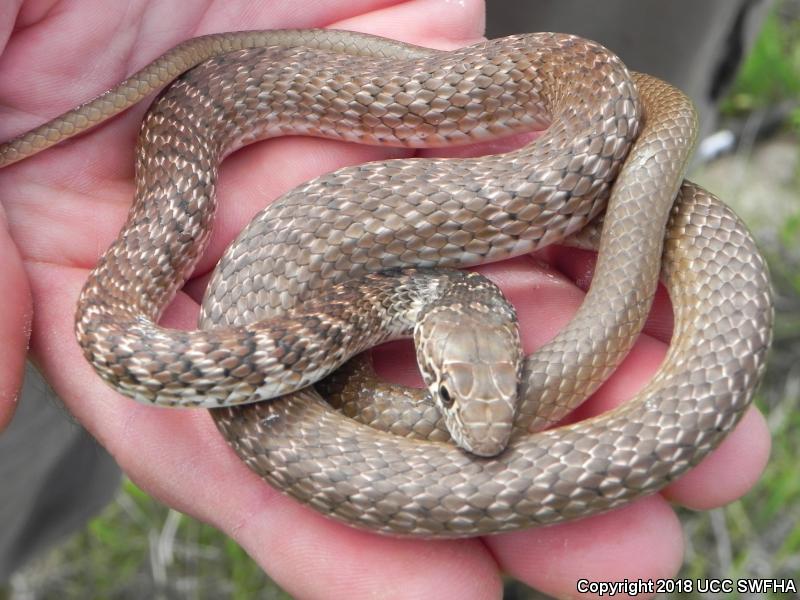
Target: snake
x=607, y=173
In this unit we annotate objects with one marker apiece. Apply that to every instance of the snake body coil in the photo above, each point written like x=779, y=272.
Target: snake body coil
x=453, y=213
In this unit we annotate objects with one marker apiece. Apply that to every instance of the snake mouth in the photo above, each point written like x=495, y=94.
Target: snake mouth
x=485, y=427
x=491, y=442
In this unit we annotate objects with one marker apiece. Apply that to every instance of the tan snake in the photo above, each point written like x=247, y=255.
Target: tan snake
x=417, y=213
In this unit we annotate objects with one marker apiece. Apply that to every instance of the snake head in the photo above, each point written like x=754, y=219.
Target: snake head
x=470, y=357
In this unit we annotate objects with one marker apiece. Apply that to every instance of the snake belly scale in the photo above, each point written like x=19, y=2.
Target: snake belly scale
x=451, y=213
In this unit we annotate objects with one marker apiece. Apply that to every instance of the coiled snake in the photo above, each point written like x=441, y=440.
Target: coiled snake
x=424, y=213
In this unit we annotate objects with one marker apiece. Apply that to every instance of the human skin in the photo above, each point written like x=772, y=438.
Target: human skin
x=64, y=206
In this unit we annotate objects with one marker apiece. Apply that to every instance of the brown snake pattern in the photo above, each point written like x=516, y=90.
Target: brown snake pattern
x=453, y=213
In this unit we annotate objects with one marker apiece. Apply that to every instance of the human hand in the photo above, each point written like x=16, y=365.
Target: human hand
x=15, y=299
x=67, y=204
x=15, y=322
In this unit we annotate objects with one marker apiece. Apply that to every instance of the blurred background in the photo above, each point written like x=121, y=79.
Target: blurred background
x=740, y=61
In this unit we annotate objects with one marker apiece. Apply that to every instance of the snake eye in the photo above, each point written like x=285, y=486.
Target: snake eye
x=444, y=394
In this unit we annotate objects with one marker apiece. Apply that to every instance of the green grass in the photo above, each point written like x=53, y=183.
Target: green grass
x=770, y=73
x=138, y=548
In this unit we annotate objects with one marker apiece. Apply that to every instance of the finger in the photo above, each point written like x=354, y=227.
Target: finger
x=93, y=45
x=15, y=323
x=578, y=265
x=640, y=541
x=8, y=17
x=444, y=25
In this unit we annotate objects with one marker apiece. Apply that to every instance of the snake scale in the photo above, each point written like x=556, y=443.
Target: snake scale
x=612, y=138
